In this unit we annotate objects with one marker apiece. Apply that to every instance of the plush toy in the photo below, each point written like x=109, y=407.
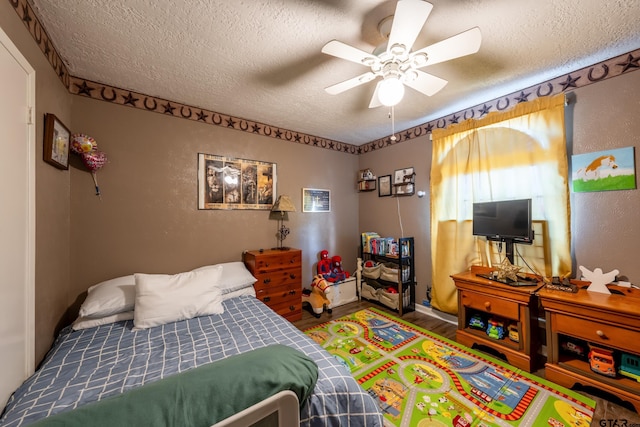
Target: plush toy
x=324, y=265
x=317, y=297
x=337, y=272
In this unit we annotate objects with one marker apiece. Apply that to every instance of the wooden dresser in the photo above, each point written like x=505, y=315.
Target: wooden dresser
x=279, y=274
x=601, y=320
x=515, y=306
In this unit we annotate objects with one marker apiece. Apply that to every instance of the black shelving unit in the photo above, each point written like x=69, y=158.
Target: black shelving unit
x=403, y=300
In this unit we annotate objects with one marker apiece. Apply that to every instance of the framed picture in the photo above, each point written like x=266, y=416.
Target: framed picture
x=384, y=186
x=56, y=142
x=604, y=170
x=404, y=176
x=229, y=183
x=316, y=200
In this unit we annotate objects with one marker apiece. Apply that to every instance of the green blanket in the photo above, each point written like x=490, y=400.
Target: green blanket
x=201, y=396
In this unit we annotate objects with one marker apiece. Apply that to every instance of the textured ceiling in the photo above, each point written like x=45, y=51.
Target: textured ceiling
x=262, y=61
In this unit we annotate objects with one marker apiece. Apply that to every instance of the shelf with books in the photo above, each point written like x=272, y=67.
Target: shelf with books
x=388, y=275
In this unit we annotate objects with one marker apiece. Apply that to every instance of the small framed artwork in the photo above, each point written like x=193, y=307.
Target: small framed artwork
x=316, y=200
x=404, y=176
x=56, y=142
x=384, y=186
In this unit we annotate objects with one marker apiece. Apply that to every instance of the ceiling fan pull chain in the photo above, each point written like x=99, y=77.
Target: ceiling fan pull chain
x=393, y=124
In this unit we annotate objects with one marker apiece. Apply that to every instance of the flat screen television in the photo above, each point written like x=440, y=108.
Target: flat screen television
x=506, y=221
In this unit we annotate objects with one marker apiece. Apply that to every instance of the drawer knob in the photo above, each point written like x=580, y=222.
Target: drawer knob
x=266, y=281
x=487, y=305
x=266, y=299
x=600, y=333
x=292, y=308
x=292, y=276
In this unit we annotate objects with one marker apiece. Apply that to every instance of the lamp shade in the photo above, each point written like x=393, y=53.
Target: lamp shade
x=283, y=204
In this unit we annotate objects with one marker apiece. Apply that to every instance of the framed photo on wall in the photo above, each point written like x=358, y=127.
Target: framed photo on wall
x=384, y=186
x=230, y=183
x=403, y=176
x=316, y=200
x=56, y=142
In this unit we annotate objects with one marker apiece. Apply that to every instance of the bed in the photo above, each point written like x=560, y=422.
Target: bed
x=103, y=357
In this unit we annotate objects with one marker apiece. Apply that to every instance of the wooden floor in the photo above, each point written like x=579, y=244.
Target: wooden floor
x=607, y=412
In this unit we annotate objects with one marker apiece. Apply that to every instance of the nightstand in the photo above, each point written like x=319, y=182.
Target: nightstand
x=599, y=321
x=279, y=274
x=480, y=298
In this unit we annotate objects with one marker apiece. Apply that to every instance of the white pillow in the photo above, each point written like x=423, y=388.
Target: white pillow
x=163, y=298
x=235, y=276
x=86, y=322
x=109, y=297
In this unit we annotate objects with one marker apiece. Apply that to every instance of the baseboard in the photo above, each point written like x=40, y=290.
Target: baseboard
x=429, y=311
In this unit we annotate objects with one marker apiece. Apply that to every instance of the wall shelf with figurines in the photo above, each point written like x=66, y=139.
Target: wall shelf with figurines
x=404, y=182
x=366, y=180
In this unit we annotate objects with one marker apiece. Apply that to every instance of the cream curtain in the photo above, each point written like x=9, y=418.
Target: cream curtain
x=513, y=155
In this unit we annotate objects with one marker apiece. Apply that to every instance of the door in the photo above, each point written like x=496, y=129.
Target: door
x=17, y=218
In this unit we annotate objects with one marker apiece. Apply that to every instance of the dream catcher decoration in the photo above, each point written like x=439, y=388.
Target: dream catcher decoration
x=87, y=148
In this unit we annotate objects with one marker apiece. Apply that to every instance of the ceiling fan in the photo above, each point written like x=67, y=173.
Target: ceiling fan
x=397, y=64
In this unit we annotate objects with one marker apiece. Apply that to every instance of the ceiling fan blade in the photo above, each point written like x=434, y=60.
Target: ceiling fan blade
x=342, y=50
x=408, y=21
x=375, y=101
x=351, y=83
x=462, y=44
x=426, y=83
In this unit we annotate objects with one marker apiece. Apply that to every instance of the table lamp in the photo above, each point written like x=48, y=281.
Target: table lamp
x=282, y=205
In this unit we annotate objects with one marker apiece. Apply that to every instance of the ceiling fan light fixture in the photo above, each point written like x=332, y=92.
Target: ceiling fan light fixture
x=390, y=91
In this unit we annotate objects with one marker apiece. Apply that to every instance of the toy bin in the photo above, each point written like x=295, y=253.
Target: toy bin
x=343, y=292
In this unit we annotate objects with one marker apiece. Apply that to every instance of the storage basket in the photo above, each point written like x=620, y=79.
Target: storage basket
x=372, y=272
x=389, y=274
x=369, y=292
x=389, y=299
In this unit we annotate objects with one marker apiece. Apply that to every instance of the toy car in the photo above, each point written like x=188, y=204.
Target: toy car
x=477, y=322
x=514, y=334
x=601, y=361
x=573, y=347
x=495, y=329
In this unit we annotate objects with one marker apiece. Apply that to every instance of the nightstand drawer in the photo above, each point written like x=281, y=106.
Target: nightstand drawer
x=278, y=277
x=596, y=332
x=488, y=304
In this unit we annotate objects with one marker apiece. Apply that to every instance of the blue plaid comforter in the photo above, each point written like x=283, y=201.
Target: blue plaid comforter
x=92, y=364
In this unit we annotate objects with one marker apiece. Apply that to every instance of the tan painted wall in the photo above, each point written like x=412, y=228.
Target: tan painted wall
x=605, y=226
x=52, y=191
x=148, y=221
x=406, y=216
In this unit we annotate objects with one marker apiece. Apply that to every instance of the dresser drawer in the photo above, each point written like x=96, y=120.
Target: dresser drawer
x=489, y=304
x=596, y=332
x=272, y=295
x=278, y=260
x=289, y=276
x=290, y=310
